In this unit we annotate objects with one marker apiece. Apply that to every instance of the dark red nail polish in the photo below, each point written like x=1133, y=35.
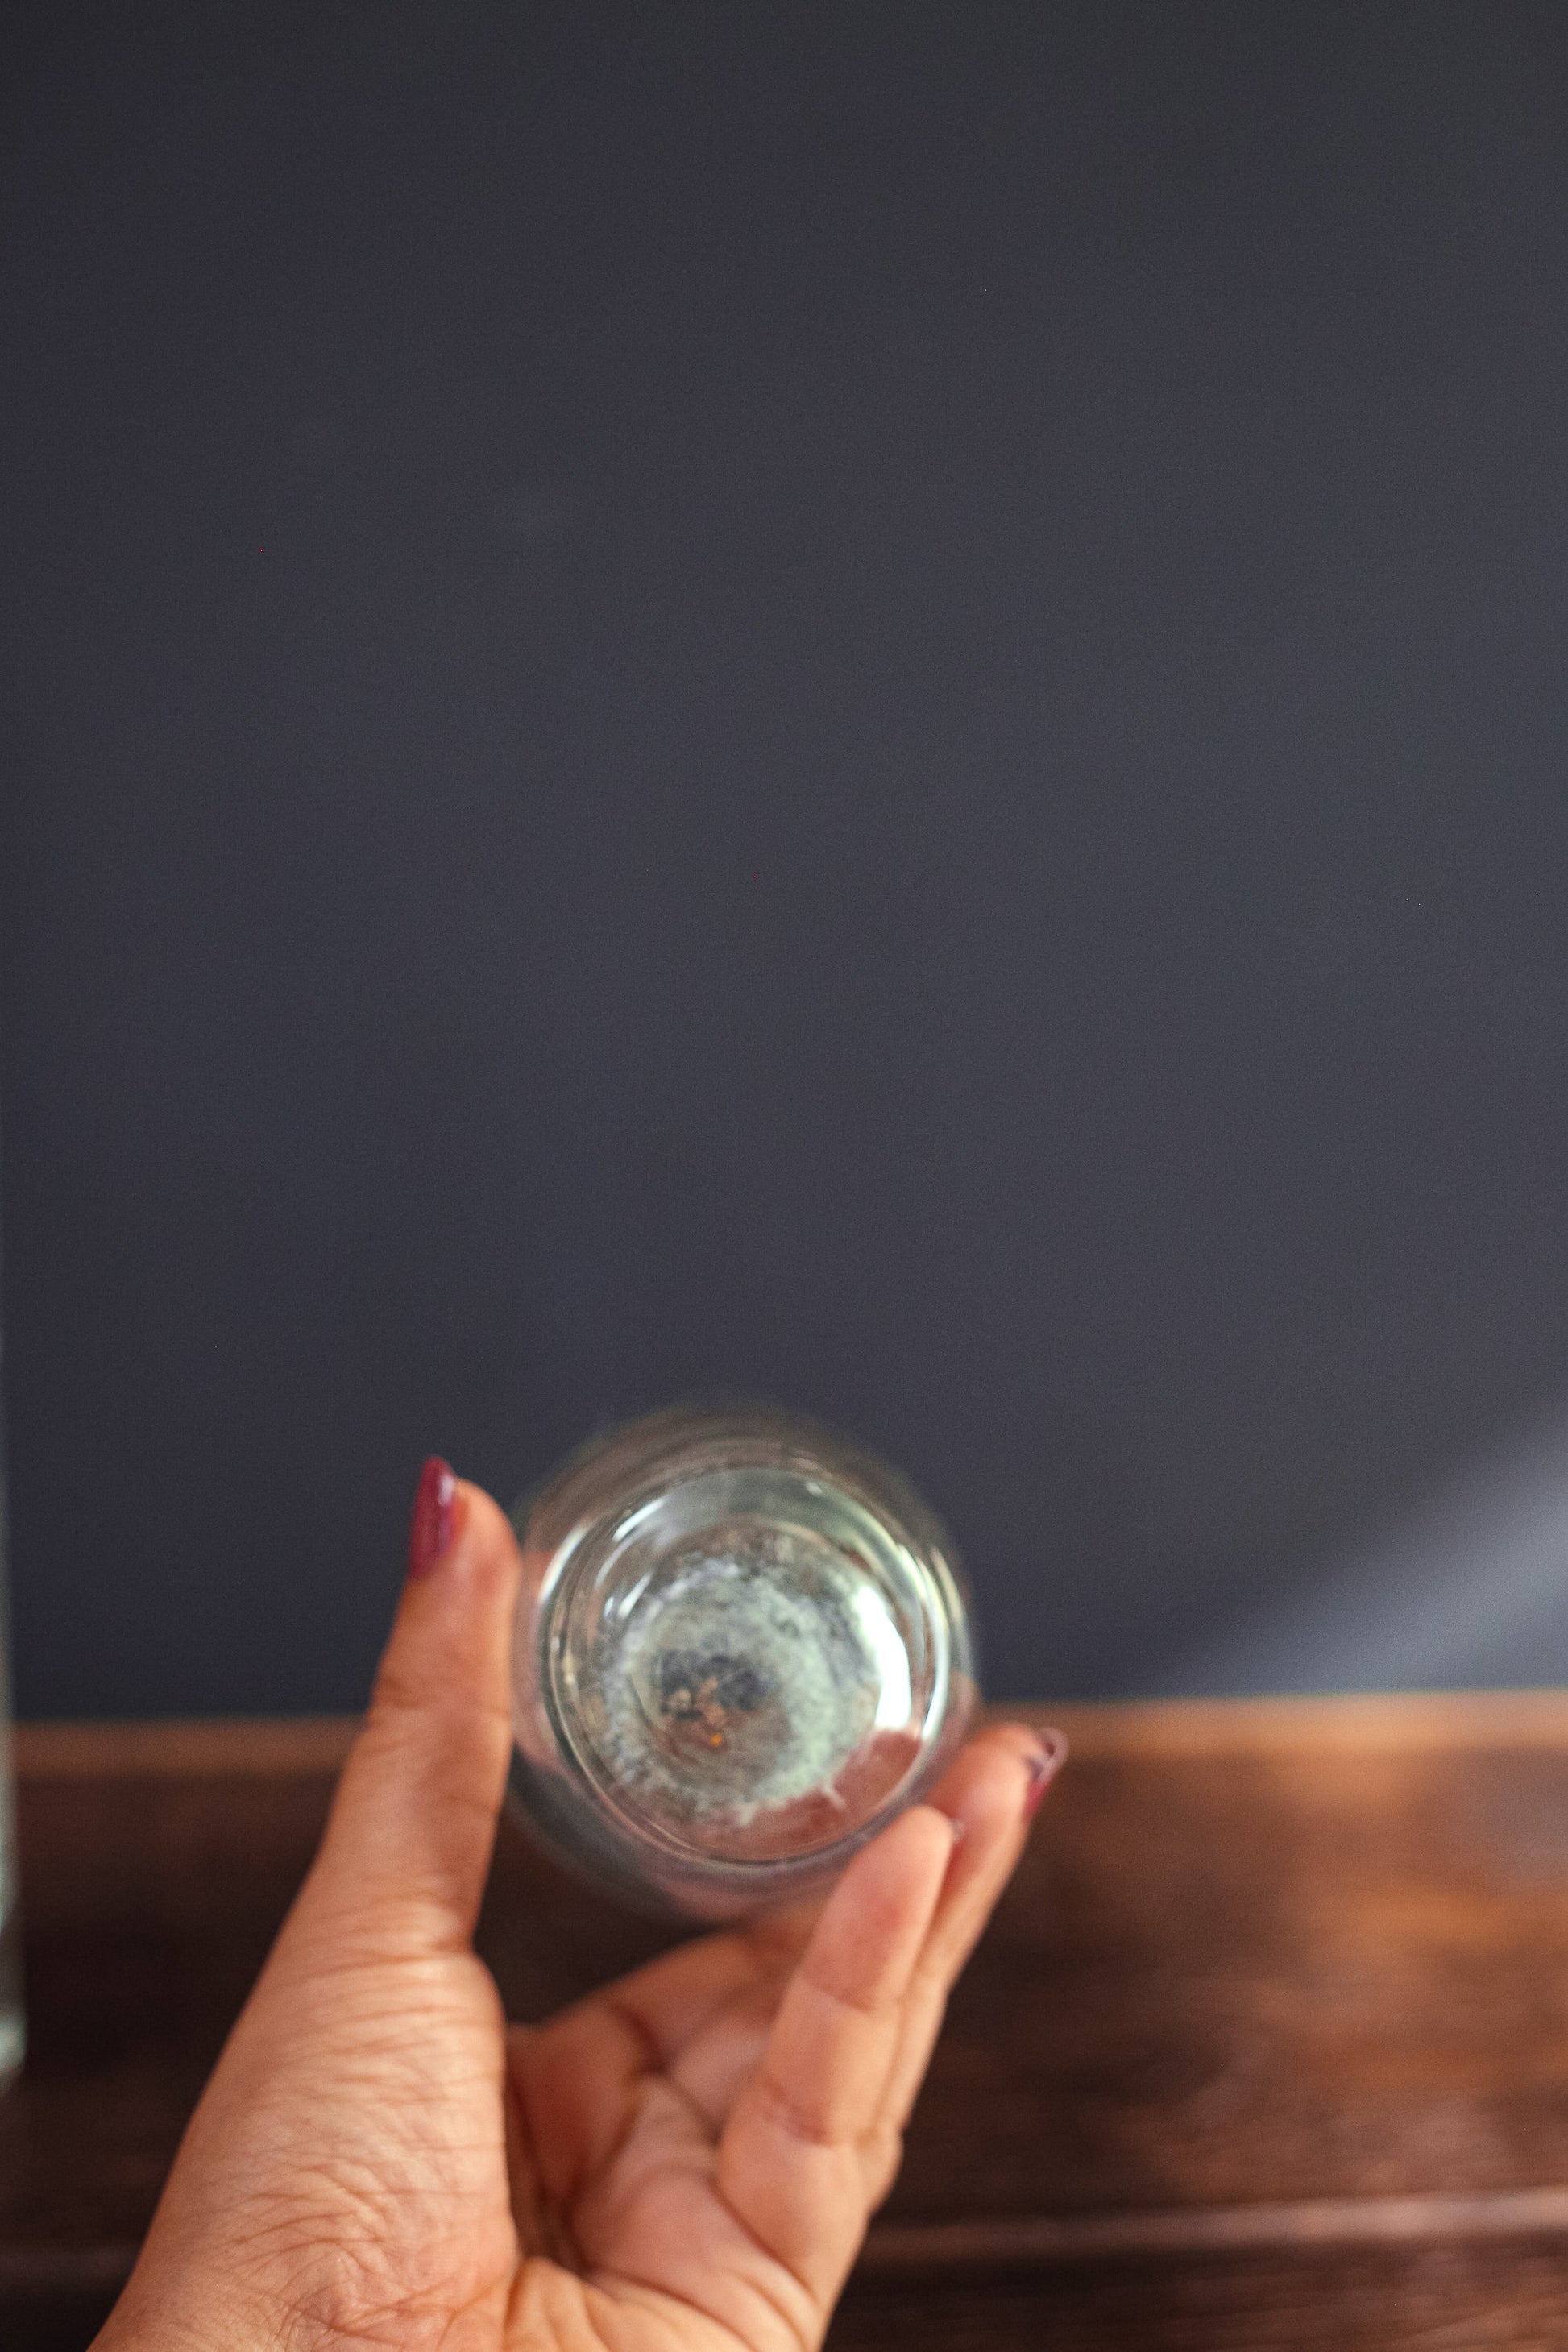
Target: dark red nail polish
x=430, y=1534
x=1050, y=1755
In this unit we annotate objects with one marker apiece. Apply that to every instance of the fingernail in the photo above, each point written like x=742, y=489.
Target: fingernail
x=430, y=1536
x=1049, y=1756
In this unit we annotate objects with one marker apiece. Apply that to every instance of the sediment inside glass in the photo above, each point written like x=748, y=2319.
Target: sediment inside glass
x=744, y=1663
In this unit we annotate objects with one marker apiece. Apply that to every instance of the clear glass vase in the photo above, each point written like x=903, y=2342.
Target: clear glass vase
x=743, y=1646
x=13, y=2028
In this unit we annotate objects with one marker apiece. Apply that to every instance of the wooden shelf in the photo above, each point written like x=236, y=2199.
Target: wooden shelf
x=1268, y=2045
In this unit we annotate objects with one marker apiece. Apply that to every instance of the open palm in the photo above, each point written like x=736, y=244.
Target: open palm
x=687, y=2159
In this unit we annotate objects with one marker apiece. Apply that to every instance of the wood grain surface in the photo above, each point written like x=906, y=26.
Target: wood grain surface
x=1268, y=2046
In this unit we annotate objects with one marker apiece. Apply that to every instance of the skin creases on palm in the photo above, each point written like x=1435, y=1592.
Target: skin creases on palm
x=683, y=2162
x=699, y=2147
x=617, y=2113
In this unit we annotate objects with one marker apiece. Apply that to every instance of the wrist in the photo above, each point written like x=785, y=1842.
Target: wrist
x=147, y=2319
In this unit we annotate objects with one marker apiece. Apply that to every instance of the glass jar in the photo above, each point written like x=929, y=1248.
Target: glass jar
x=741, y=1647
x=13, y=2019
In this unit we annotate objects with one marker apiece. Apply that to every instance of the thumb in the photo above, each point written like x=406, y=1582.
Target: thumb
x=408, y=1840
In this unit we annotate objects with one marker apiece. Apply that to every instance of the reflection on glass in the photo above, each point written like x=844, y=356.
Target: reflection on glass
x=742, y=1648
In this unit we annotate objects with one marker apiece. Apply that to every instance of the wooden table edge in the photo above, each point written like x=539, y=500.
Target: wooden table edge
x=1023, y=2244
x=1027, y=2243
x=256, y=1744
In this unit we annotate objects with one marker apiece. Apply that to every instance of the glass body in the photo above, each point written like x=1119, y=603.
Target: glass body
x=12, y=2021
x=13, y=2027
x=741, y=1647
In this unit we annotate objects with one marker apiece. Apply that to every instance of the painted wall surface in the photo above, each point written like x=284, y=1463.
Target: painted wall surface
x=866, y=701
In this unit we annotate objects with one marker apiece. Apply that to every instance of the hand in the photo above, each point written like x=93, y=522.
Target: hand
x=687, y=2159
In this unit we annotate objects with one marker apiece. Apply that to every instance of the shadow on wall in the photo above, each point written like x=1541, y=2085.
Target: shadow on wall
x=1469, y=1587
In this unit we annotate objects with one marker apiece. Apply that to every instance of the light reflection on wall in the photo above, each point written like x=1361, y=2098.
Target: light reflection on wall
x=1468, y=1589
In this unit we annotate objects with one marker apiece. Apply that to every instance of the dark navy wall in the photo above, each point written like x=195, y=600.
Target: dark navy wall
x=867, y=701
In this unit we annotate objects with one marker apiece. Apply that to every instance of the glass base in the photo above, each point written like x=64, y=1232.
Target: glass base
x=741, y=1647
x=13, y=2018
x=13, y=2045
